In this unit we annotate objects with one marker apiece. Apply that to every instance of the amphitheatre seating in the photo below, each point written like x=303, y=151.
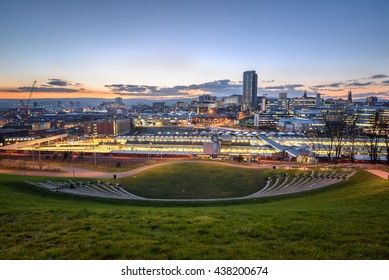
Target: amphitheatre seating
x=89, y=188
x=299, y=183
x=277, y=185
x=286, y=179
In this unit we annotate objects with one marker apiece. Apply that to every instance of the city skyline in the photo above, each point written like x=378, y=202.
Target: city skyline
x=156, y=50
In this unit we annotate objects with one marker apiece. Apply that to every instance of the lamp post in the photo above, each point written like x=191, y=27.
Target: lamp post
x=148, y=154
x=73, y=164
x=94, y=153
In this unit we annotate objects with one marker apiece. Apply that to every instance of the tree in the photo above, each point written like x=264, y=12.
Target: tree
x=354, y=135
x=322, y=138
x=372, y=145
x=343, y=128
x=65, y=155
x=386, y=141
x=376, y=136
x=54, y=155
x=338, y=129
x=382, y=129
x=239, y=158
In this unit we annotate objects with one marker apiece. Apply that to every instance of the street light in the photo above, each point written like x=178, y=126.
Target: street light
x=94, y=153
x=73, y=163
x=148, y=154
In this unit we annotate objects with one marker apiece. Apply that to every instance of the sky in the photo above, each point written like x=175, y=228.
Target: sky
x=181, y=49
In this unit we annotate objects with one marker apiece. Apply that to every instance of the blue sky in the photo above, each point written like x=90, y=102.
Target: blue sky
x=174, y=48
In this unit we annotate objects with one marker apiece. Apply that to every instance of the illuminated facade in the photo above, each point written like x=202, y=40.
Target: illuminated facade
x=231, y=143
x=250, y=85
x=107, y=127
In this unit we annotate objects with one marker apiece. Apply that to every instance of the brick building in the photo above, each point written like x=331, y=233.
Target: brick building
x=111, y=127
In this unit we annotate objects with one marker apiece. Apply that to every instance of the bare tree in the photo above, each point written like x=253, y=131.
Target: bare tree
x=386, y=153
x=372, y=141
x=353, y=136
x=322, y=140
x=338, y=129
x=382, y=129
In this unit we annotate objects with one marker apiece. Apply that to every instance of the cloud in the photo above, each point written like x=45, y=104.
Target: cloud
x=336, y=85
x=383, y=95
x=46, y=89
x=293, y=86
x=61, y=83
x=51, y=86
x=121, y=88
x=379, y=76
x=318, y=86
x=348, y=84
x=9, y=90
x=57, y=82
x=284, y=87
x=357, y=84
x=215, y=84
x=385, y=82
x=339, y=89
x=217, y=88
x=275, y=88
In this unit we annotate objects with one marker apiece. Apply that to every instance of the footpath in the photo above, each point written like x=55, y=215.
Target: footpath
x=379, y=173
x=86, y=173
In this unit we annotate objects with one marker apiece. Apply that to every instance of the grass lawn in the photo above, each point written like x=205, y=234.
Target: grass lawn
x=346, y=221
x=198, y=180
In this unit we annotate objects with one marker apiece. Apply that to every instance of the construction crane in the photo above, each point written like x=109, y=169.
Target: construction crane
x=29, y=95
x=24, y=106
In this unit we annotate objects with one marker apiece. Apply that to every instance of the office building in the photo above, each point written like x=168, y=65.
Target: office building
x=283, y=101
x=250, y=85
x=371, y=100
x=262, y=101
x=207, y=98
x=318, y=100
x=283, y=95
x=304, y=102
x=232, y=99
x=108, y=127
x=119, y=100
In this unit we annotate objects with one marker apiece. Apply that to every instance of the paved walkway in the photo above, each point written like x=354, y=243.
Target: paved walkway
x=379, y=173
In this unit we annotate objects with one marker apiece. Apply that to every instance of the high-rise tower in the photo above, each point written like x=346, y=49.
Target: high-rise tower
x=250, y=84
x=350, y=97
x=318, y=100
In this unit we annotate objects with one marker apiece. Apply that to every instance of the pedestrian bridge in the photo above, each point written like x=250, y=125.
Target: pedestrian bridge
x=38, y=141
x=279, y=148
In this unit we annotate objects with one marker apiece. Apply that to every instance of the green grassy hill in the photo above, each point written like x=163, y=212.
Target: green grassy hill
x=197, y=180
x=345, y=221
